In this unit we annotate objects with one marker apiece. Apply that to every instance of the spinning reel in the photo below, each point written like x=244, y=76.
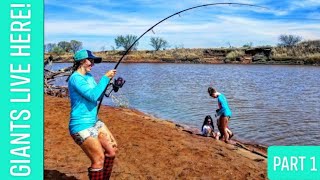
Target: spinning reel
x=116, y=85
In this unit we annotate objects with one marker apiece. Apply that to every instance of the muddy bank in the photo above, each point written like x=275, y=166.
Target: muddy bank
x=149, y=148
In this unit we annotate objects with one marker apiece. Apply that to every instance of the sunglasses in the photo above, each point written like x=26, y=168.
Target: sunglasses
x=95, y=60
x=91, y=60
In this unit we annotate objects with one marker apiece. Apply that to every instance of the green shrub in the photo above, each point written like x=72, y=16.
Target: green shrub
x=233, y=55
x=58, y=50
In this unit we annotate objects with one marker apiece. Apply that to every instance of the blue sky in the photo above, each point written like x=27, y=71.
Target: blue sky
x=97, y=23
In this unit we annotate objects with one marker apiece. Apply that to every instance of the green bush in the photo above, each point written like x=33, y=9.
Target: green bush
x=233, y=55
x=58, y=50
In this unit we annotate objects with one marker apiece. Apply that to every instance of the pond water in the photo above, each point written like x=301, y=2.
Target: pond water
x=271, y=104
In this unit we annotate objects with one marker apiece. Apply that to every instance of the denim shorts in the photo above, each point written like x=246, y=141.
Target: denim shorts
x=82, y=135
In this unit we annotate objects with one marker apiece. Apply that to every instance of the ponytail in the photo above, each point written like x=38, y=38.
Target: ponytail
x=76, y=65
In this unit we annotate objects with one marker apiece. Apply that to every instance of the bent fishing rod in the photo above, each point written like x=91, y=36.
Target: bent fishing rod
x=164, y=19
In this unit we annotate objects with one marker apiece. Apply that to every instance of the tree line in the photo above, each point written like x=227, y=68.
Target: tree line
x=126, y=41
x=121, y=42
x=63, y=46
x=157, y=43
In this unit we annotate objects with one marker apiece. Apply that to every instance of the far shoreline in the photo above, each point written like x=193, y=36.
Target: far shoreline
x=267, y=64
x=302, y=54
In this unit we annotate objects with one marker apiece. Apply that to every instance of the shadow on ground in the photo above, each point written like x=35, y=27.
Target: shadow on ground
x=56, y=175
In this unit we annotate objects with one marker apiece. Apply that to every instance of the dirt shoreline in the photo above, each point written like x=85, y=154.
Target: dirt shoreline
x=149, y=148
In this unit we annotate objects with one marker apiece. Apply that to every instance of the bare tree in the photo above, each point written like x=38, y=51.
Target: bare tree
x=75, y=45
x=103, y=48
x=289, y=40
x=49, y=47
x=126, y=42
x=66, y=46
x=158, y=43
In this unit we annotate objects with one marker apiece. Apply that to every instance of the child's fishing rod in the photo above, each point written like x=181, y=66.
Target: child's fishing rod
x=177, y=13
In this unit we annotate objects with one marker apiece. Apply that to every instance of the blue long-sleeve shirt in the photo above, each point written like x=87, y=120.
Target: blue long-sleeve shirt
x=223, y=106
x=84, y=93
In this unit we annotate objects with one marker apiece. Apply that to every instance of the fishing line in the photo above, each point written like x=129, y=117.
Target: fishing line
x=164, y=19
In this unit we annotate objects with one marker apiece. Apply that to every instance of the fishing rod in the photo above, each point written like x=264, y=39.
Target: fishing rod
x=177, y=13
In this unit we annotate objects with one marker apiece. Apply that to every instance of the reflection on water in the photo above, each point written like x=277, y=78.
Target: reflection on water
x=272, y=105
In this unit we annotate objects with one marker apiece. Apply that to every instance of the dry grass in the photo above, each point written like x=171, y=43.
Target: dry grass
x=307, y=52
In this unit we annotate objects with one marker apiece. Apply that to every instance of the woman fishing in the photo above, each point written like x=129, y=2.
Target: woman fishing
x=90, y=133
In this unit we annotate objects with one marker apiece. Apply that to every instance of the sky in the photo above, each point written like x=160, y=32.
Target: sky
x=96, y=23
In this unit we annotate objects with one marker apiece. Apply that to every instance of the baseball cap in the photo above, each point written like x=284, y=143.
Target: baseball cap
x=86, y=54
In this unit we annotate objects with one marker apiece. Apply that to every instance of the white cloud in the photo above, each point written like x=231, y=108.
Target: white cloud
x=304, y=4
x=92, y=28
x=203, y=28
x=236, y=30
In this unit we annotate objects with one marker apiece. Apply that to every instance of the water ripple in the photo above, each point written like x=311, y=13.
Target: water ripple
x=272, y=105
